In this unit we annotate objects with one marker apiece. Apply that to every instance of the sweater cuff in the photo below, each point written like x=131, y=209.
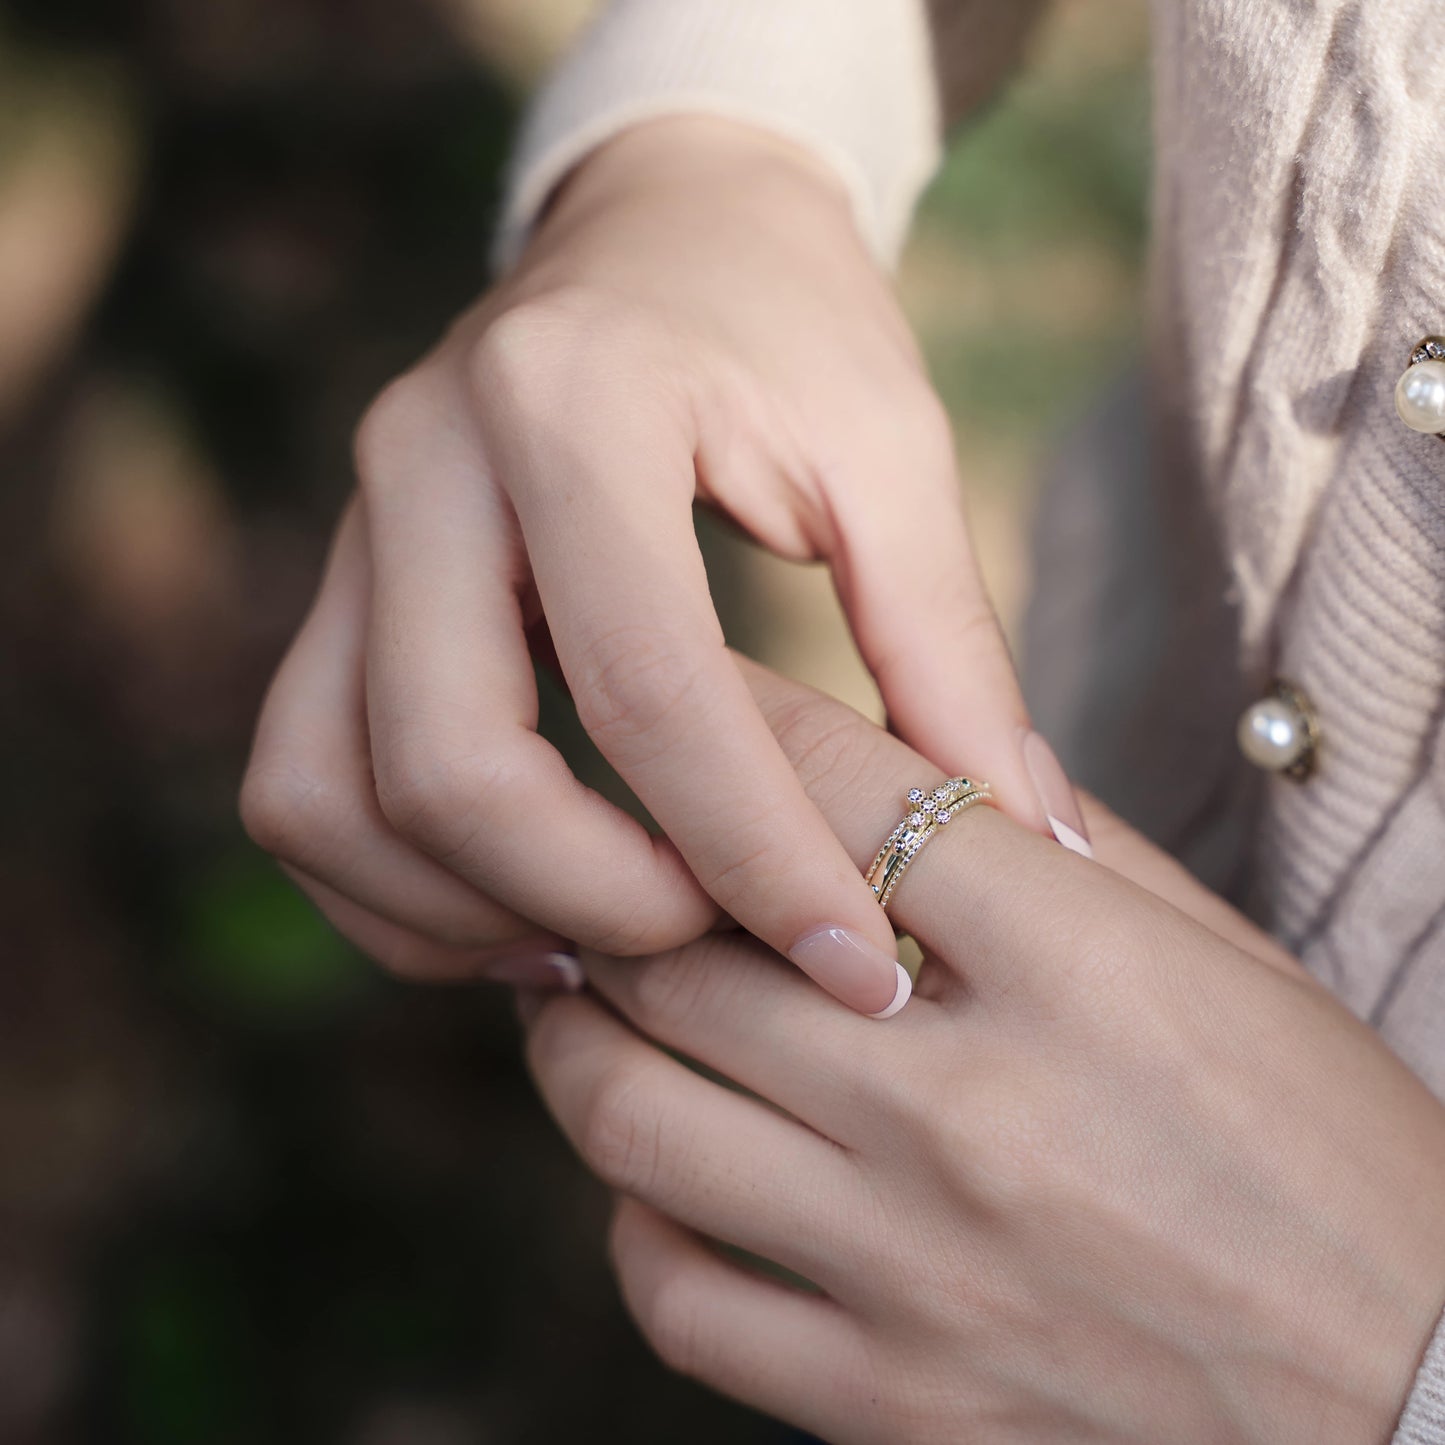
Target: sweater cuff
x=1423, y=1422
x=854, y=83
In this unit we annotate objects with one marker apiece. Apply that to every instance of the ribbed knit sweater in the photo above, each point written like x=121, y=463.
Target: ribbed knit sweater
x=1290, y=524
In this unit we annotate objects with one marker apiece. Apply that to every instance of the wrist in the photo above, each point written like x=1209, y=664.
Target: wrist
x=1388, y=1355
x=1379, y=1303
x=675, y=159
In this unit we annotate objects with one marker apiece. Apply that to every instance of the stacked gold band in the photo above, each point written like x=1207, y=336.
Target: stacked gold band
x=927, y=813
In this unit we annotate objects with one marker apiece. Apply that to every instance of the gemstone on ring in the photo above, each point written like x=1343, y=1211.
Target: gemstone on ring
x=927, y=812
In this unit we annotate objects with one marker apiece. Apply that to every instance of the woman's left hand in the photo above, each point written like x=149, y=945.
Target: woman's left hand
x=1107, y=1177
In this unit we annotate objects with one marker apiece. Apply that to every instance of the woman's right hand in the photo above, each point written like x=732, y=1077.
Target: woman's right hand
x=1114, y=1176
x=695, y=319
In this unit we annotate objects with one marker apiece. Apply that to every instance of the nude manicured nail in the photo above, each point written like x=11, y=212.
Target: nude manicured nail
x=853, y=970
x=550, y=971
x=905, y=992
x=1056, y=794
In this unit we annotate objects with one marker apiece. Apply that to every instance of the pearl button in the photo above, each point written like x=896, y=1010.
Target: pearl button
x=1420, y=396
x=1278, y=732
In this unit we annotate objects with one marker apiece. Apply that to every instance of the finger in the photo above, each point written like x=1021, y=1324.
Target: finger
x=453, y=706
x=733, y=1005
x=309, y=797
x=653, y=1129
x=626, y=596
x=964, y=883
x=411, y=955
x=746, y=1336
x=982, y=893
x=914, y=597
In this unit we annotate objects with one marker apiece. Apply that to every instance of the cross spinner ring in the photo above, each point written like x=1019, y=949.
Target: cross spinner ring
x=927, y=813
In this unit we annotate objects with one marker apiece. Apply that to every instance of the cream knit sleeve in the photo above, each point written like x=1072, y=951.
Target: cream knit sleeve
x=853, y=81
x=1423, y=1422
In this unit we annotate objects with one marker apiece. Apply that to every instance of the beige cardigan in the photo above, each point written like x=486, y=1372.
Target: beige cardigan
x=1289, y=523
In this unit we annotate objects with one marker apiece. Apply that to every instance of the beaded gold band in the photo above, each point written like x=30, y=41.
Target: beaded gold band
x=927, y=813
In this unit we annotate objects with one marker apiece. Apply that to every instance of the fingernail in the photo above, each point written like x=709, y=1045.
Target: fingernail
x=551, y=971
x=905, y=992
x=857, y=972
x=1056, y=794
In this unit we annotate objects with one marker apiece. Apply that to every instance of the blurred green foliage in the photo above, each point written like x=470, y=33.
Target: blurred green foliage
x=256, y=949
x=1053, y=161
x=1047, y=196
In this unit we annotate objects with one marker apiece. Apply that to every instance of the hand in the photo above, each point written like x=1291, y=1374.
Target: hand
x=1111, y=1177
x=695, y=320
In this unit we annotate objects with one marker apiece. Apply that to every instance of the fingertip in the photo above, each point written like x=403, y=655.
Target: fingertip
x=544, y=969
x=853, y=969
x=1074, y=842
x=529, y=1003
x=1055, y=794
x=904, y=993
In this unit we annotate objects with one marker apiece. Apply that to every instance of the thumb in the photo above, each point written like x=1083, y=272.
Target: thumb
x=909, y=583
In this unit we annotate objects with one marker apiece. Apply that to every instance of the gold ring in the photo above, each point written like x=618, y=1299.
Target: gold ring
x=927, y=813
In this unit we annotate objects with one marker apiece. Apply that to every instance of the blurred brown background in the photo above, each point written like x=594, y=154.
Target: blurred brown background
x=249, y=1189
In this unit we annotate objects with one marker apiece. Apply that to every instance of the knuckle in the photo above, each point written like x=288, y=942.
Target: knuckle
x=903, y=429
x=540, y=349
x=416, y=791
x=625, y=927
x=752, y=858
x=1097, y=959
x=1005, y=1147
x=974, y=632
x=287, y=810
x=880, y=1089
x=634, y=683
x=1125, y=972
x=619, y=1134
x=978, y=628
x=439, y=798
x=829, y=747
x=514, y=353
x=605, y=366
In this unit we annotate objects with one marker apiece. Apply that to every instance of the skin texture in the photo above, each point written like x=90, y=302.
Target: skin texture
x=1120, y=1171
x=695, y=320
